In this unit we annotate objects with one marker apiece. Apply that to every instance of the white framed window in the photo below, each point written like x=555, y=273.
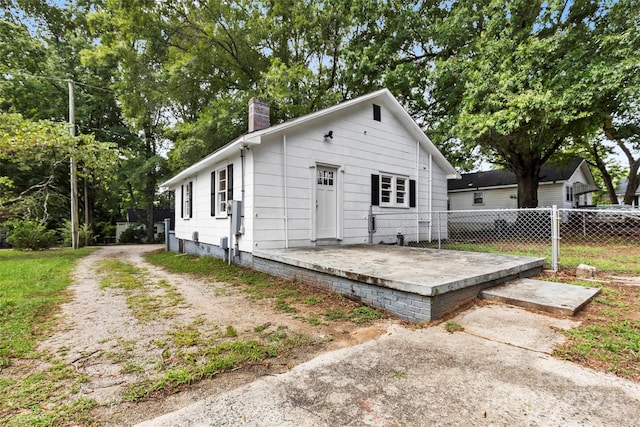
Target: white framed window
x=569, y=193
x=394, y=190
x=222, y=192
x=478, y=198
x=187, y=200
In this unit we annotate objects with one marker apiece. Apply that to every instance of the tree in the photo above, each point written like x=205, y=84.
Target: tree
x=40, y=47
x=618, y=104
x=43, y=146
x=517, y=80
x=131, y=42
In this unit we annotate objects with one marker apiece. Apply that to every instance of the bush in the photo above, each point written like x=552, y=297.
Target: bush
x=133, y=235
x=30, y=235
x=83, y=230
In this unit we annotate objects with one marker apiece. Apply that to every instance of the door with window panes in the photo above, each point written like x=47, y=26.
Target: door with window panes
x=326, y=203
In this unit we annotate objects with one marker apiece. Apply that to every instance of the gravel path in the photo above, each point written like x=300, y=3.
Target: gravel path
x=98, y=333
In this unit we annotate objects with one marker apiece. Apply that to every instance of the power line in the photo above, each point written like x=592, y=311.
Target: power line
x=58, y=79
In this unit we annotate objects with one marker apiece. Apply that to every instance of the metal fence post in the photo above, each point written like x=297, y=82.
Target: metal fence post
x=439, y=232
x=167, y=229
x=370, y=223
x=555, y=237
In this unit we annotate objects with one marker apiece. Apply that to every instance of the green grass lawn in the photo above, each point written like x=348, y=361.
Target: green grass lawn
x=32, y=286
x=607, y=257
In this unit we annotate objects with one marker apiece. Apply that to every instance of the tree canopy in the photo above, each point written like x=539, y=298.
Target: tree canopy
x=511, y=82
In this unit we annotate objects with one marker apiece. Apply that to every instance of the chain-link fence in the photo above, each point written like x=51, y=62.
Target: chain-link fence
x=532, y=232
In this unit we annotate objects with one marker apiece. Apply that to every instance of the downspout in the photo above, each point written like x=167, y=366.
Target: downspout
x=431, y=194
x=417, y=191
x=242, y=185
x=286, y=200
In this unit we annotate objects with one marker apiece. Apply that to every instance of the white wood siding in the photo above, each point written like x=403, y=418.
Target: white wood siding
x=360, y=147
x=496, y=198
x=211, y=228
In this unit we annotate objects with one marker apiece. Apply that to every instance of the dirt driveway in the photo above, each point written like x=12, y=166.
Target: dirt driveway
x=497, y=371
x=103, y=338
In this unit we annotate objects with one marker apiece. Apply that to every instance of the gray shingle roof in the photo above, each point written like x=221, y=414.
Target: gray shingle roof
x=496, y=178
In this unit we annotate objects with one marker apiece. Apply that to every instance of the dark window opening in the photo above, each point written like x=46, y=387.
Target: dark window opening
x=377, y=115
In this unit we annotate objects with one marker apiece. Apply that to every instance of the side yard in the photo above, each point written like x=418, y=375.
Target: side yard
x=129, y=340
x=131, y=335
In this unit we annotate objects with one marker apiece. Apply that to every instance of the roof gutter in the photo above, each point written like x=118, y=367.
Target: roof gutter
x=218, y=155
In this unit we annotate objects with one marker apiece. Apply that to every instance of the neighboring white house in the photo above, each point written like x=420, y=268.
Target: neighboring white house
x=568, y=185
x=621, y=190
x=309, y=181
x=137, y=217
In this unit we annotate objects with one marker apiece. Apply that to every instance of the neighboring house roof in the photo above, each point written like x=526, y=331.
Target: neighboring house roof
x=255, y=138
x=159, y=215
x=554, y=172
x=622, y=187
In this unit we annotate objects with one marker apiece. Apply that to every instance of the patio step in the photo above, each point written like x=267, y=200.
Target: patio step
x=551, y=297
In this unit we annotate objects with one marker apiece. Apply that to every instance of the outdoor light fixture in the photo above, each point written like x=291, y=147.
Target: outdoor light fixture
x=329, y=135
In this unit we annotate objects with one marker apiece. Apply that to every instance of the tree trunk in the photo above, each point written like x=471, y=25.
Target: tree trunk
x=606, y=176
x=528, y=179
x=632, y=186
x=150, y=189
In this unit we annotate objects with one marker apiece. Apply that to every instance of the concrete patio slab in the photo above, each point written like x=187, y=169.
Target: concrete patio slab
x=551, y=297
x=426, y=272
x=416, y=284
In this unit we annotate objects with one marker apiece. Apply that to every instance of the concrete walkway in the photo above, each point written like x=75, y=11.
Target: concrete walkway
x=498, y=371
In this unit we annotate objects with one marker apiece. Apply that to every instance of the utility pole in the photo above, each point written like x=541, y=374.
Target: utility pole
x=75, y=235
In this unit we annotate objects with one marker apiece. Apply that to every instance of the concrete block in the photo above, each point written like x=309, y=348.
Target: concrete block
x=584, y=271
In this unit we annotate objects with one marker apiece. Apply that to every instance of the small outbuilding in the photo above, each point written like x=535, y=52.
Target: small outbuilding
x=314, y=180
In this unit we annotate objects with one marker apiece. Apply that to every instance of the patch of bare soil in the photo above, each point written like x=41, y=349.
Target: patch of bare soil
x=100, y=336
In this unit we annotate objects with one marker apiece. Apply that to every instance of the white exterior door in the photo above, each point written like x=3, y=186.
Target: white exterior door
x=326, y=203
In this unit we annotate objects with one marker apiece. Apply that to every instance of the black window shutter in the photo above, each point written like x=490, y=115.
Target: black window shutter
x=190, y=199
x=375, y=190
x=182, y=201
x=412, y=193
x=230, y=183
x=377, y=116
x=213, y=193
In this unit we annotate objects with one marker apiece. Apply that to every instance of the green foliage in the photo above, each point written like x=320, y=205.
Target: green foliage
x=30, y=235
x=358, y=315
x=204, y=363
x=615, y=343
x=133, y=235
x=452, y=327
x=84, y=231
x=517, y=80
x=148, y=300
x=39, y=399
x=31, y=286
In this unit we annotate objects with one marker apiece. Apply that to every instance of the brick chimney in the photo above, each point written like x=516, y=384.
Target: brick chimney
x=258, y=114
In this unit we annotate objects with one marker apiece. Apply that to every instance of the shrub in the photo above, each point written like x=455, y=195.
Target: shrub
x=133, y=235
x=30, y=235
x=83, y=230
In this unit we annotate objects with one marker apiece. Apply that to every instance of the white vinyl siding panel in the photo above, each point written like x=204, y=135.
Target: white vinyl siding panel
x=360, y=147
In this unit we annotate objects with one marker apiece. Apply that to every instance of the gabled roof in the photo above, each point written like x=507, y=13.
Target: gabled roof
x=554, y=172
x=254, y=138
x=622, y=187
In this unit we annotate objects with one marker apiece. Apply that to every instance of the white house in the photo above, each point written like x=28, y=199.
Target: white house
x=136, y=218
x=309, y=181
x=622, y=189
x=567, y=185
